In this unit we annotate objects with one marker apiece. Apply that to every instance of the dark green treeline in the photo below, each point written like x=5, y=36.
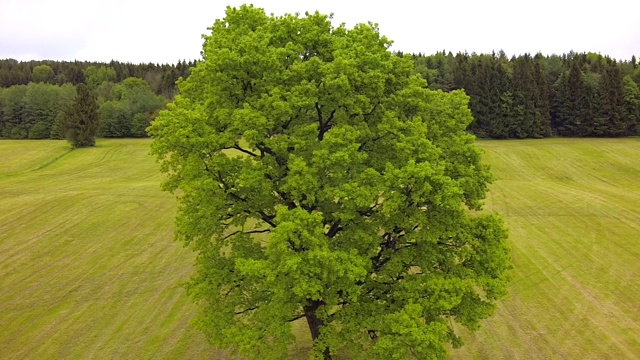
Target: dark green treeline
x=575, y=94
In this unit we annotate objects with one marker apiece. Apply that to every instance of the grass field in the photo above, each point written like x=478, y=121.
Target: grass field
x=88, y=268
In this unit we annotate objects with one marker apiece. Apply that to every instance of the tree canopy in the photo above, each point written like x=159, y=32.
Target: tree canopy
x=319, y=179
x=128, y=108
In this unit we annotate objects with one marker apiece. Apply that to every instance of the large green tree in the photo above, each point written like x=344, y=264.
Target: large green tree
x=43, y=73
x=129, y=112
x=82, y=123
x=320, y=179
x=41, y=105
x=94, y=76
x=14, y=112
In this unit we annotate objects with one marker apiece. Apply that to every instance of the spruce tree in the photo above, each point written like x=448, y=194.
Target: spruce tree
x=631, y=106
x=542, y=119
x=524, y=93
x=612, y=91
x=571, y=107
x=82, y=126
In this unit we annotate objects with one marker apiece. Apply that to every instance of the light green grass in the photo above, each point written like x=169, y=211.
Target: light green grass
x=88, y=268
x=573, y=209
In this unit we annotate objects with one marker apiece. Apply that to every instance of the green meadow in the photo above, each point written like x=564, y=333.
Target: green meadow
x=89, y=268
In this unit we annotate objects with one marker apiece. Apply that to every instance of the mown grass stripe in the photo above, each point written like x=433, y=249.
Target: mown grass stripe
x=89, y=269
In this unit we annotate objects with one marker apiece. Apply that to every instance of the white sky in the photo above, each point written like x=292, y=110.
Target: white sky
x=167, y=31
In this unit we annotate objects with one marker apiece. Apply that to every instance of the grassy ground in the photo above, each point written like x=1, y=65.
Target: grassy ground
x=573, y=209
x=88, y=268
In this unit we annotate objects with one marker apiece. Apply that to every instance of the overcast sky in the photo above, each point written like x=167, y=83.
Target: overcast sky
x=166, y=31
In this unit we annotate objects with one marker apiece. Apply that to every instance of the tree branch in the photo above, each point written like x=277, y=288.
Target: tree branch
x=334, y=229
x=298, y=317
x=323, y=127
x=391, y=243
x=265, y=149
x=246, y=232
x=237, y=147
x=294, y=248
x=361, y=147
x=246, y=310
x=286, y=125
x=287, y=200
x=320, y=124
x=267, y=218
x=369, y=211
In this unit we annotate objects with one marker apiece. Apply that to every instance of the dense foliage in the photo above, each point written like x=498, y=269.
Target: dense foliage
x=320, y=179
x=35, y=95
x=40, y=110
x=161, y=78
x=532, y=97
x=81, y=126
x=126, y=109
x=30, y=111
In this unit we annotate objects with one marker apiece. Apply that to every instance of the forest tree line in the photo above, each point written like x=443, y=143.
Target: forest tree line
x=161, y=77
x=35, y=96
x=575, y=94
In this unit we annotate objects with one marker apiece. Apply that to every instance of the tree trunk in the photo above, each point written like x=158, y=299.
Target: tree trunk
x=315, y=323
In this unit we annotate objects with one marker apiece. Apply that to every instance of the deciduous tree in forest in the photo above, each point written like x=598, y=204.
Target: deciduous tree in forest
x=94, y=76
x=631, y=111
x=319, y=179
x=14, y=112
x=43, y=73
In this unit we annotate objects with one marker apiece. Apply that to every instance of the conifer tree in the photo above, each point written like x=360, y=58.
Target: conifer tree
x=572, y=113
x=524, y=93
x=631, y=112
x=82, y=125
x=612, y=109
x=542, y=117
